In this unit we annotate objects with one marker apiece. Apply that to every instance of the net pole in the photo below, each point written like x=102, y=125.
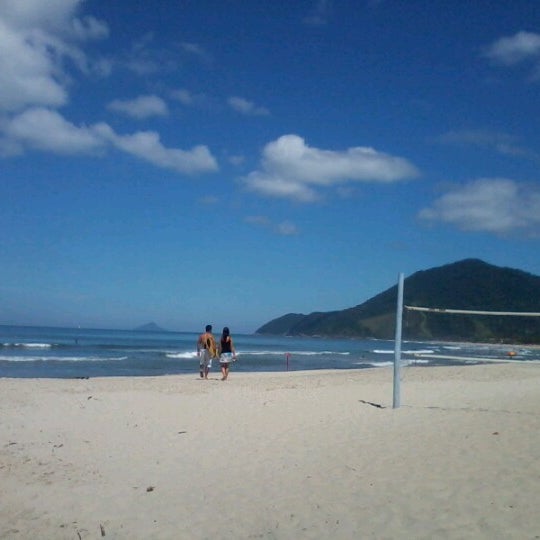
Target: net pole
x=396, y=402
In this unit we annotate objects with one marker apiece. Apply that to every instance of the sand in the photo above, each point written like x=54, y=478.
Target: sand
x=300, y=455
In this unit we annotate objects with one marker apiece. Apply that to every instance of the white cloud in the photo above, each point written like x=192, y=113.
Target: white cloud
x=495, y=205
x=318, y=15
x=194, y=49
x=90, y=28
x=47, y=130
x=53, y=14
x=183, y=96
x=148, y=146
x=243, y=106
x=236, y=160
x=145, y=60
x=140, y=107
x=52, y=17
x=500, y=142
x=514, y=49
x=274, y=186
x=27, y=74
x=285, y=228
x=36, y=38
x=261, y=221
x=189, y=99
x=39, y=45
x=209, y=200
x=291, y=169
x=103, y=67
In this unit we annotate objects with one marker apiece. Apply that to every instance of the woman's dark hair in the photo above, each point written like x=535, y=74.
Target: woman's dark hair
x=225, y=332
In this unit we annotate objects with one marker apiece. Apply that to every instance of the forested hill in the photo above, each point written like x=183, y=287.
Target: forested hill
x=469, y=284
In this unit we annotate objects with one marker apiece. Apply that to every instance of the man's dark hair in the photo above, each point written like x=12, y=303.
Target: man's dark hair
x=208, y=327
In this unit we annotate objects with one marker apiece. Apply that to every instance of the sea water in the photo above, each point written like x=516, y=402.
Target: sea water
x=75, y=353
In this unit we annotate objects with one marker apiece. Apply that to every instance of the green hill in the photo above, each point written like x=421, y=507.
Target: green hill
x=469, y=284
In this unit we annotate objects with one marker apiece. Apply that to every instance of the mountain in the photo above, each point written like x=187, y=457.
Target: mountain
x=149, y=327
x=469, y=284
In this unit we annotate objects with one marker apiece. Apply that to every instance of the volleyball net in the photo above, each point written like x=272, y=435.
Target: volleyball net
x=471, y=312
x=401, y=308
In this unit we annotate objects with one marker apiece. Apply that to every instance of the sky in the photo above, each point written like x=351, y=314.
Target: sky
x=198, y=161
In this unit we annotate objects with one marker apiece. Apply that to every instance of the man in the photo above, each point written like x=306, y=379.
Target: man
x=206, y=350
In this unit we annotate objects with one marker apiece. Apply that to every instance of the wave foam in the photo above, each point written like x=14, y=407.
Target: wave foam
x=29, y=345
x=415, y=351
x=404, y=363
x=182, y=355
x=295, y=353
x=61, y=359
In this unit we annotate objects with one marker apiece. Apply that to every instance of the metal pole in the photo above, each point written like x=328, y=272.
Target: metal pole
x=397, y=346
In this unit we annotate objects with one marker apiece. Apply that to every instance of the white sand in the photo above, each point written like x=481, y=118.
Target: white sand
x=275, y=456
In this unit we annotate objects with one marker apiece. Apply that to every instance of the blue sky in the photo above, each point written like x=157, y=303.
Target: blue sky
x=187, y=162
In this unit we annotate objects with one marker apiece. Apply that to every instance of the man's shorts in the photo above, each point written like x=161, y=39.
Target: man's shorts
x=204, y=360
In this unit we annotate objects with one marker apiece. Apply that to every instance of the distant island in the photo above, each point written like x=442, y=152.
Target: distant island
x=470, y=284
x=149, y=327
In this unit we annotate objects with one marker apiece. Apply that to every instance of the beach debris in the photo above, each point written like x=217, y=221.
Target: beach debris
x=181, y=432
x=378, y=405
x=102, y=529
x=495, y=433
x=149, y=488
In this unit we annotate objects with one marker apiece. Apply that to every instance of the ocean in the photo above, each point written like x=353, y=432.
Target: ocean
x=41, y=352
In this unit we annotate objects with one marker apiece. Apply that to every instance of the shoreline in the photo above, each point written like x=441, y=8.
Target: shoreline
x=299, y=454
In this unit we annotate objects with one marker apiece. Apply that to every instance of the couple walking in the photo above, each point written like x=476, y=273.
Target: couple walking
x=207, y=350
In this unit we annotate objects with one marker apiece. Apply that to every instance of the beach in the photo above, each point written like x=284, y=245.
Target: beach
x=305, y=454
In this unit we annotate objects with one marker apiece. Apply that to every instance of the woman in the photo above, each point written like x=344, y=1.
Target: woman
x=227, y=353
